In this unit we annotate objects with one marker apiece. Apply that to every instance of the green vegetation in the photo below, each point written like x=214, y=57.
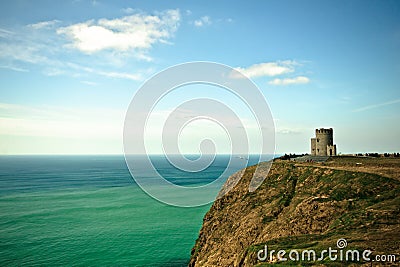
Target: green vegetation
x=306, y=206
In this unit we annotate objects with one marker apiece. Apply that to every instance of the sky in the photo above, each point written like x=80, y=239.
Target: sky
x=69, y=69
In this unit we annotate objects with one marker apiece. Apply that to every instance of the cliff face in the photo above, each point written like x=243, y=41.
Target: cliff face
x=300, y=206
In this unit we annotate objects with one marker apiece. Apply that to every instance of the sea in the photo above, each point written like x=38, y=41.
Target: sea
x=88, y=211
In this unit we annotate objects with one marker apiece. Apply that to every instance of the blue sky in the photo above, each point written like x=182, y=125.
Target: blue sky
x=69, y=69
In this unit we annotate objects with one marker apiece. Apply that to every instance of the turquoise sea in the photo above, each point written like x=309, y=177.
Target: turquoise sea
x=88, y=211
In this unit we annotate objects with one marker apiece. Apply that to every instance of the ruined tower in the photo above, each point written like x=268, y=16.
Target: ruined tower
x=322, y=143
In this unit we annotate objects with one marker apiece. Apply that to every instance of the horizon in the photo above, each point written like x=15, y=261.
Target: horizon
x=193, y=154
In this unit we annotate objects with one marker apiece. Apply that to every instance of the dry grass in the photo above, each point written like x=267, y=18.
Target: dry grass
x=387, y=167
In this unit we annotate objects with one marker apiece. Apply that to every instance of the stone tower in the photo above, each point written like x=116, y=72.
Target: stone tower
x=322, y=143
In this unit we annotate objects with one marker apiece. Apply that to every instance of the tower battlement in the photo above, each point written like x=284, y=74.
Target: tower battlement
x=322, y=143
x=324, y=131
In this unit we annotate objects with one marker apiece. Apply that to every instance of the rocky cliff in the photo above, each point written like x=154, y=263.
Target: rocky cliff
x=304, y=206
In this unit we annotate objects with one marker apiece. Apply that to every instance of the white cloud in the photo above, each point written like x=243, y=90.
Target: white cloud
x=287, y=131
x=56, y=68
x=24, y=52
x=288, y=81
x=44, y=24
x=38, y=46
x=135, y=32
x=33, y=44
x=18, y=120
x=89, y=83
x=60, y=130
x=203, y=21
x=129, y=10
x=14, y=68
x=51, y=71
x=5, y=33
x=111, y=74
x=377, y=105
x=268, y=69
x=123, y=75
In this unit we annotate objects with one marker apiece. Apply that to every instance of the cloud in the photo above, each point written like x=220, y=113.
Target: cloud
x=344, y=100
x=268, y=69
x=123, y=75
x=50, y=121
x=5, y=33
x=14, y=68
x=287, y=131
x=44, y=24
x=378, y=105
x=135, y=32
x=26, y=129
x=89, y=83
x=53, y=71
x=203, y=21
x=33, y=44
x=25, y=51
x=130, y=10
x=109, y=45
x=288, y=81
x=111, y=74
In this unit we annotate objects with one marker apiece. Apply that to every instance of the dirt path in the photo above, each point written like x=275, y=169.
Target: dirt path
x=388, y=168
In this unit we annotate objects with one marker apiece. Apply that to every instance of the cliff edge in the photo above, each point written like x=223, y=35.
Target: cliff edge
x=304, y=206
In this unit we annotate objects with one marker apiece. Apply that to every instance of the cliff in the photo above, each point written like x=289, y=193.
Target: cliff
x=304, y=205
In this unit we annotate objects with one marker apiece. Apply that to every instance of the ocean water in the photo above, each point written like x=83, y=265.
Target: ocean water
x=88, y=211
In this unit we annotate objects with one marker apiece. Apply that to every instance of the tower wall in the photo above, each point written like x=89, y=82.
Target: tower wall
x=313, y=146
x=324, y=138
x=331, y=150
